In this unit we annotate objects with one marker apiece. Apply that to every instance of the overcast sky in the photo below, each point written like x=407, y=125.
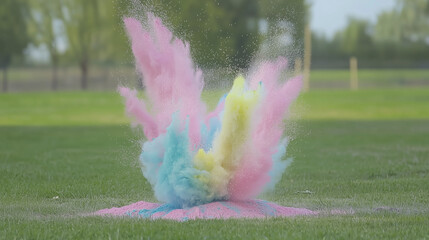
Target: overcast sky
x=329, y=16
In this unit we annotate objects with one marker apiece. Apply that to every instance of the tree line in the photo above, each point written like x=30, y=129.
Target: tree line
x=222, y=33
x=400, y=37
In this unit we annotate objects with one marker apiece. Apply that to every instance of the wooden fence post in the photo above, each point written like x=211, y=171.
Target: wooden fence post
x=298, y=66
x=354, y=81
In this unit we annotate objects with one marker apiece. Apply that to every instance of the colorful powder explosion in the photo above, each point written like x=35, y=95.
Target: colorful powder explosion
x=192, y=157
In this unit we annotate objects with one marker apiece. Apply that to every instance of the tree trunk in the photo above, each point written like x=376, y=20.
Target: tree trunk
x=84, y=76
x=54, y=74
x=5, y=79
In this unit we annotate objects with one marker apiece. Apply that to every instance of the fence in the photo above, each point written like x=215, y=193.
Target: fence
x=108, y=78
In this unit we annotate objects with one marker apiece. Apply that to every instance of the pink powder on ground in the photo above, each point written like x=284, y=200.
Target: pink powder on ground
x=213, y=210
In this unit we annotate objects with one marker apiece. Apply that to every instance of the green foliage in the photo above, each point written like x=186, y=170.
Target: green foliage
x=43, y=15
x=414, y=20
x=226, y=33
x=216, y=30
x=13, y=30
x=91, y=34
x=46, y=29
x=324, y=49
x=355, y=39
x=292, y=11
x=404, y=31
x=222, y=33
x=400, y=35
x=81, y=19
x=388, y=30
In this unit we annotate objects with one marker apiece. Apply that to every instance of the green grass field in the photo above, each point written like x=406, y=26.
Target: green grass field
x=366, y=151
x=370, y=78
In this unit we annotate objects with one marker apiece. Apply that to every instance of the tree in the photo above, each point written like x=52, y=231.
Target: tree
x=387, y=28
x=46, y=29
x=400, y=36
x=407, y=22
x=81, y=19
x=356, y=38
x=324, y=49
x=94, y=33
x=225, y=33
x=13, y=33
x=294, y=12
x=414, y=15
x=114, y=44
x=221, y=33
x=403, y=32
x=244, y=30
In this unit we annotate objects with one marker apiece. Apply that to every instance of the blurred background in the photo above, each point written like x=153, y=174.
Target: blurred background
x=49, y=45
